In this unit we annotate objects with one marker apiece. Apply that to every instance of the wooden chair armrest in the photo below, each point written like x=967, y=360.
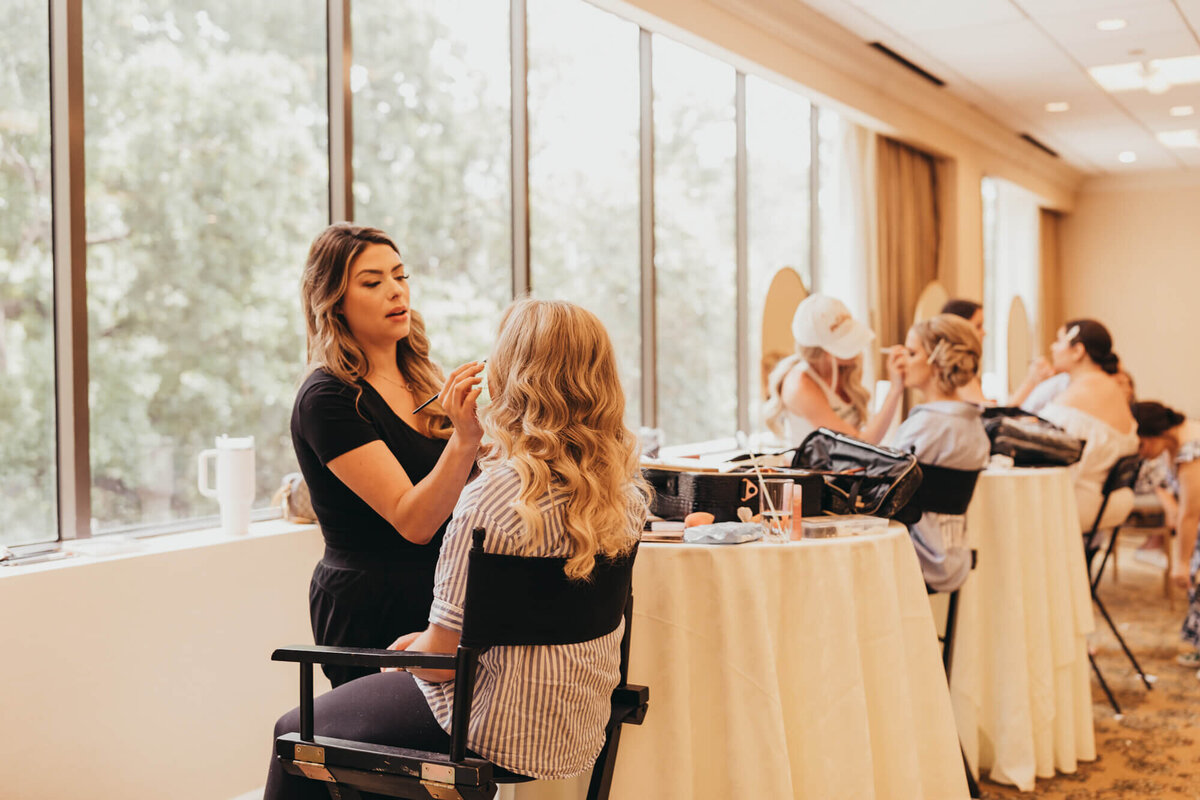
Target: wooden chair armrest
x=363, y=657
x=629, y=703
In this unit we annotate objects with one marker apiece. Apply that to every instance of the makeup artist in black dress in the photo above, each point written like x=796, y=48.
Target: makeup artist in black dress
x=383, y=480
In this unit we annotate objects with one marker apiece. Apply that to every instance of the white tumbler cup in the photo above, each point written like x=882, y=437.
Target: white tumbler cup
x=235, y=481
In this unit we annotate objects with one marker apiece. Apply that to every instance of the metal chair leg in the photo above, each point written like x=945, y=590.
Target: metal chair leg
x=1104, y=684
x=1121, y=640
x=948, y=639
x=1108, y=552
x=972, y=784
x=947, y=664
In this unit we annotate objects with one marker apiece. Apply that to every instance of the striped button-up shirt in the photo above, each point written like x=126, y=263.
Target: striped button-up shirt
x=538, y=710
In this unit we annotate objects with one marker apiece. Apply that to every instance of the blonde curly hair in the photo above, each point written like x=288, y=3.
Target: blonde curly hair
x=953, y=349
x=557, y=418
x=331, y=345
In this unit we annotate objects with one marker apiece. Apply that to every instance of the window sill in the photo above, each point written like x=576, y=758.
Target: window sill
x=113, y=547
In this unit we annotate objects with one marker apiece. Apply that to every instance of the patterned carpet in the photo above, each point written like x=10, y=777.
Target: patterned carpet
x=1154, y=750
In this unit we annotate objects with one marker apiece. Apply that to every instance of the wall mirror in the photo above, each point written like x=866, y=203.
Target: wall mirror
x=786, y=292
x=1020, y=344
x=930, y=303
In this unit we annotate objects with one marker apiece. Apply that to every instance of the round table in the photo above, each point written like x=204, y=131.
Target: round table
x=1021, y=684
x=802, y=670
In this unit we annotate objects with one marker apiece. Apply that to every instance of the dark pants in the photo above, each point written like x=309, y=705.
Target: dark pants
x=367, y=600
x=382, y=708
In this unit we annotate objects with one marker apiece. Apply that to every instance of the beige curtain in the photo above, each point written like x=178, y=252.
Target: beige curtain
x=1051, y=277
x=909, y=233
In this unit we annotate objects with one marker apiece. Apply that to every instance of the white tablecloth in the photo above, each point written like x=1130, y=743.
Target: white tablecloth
x=1020, y=683
x=801, y=670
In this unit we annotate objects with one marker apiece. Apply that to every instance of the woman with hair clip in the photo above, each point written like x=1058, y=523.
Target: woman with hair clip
x=1164, y=430
x=562, y=480
x=820, y=385
x=943, y=355
x=1092, y=408
x=383, y=479
x=972, y=392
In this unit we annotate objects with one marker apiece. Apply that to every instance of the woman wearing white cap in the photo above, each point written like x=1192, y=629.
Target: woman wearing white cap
x=820, y=385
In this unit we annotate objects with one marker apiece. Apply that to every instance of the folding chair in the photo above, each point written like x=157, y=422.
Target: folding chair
x=945, y=491
x=510, y=600
x=1123, y=475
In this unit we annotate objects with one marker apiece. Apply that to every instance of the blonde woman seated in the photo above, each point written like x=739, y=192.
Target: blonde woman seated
x=1094, y=408
x=820, y=385
x=943, y=355
x=561, y=480
x=972, y=312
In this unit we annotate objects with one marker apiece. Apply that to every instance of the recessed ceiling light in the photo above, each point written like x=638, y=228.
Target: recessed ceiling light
x=1110, y=24
x=1182, y=111
x=1185, y=138
x=1156, y=79
x=1056, y=107
x=1127, y=157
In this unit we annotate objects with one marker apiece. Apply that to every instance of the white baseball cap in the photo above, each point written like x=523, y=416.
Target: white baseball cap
x=825, y=322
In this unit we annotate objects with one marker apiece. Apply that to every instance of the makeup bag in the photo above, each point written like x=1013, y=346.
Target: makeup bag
x=859, y=478
x=1029, y=440
x=679, y=492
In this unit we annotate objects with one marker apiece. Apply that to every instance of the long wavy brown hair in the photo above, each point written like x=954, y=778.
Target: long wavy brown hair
x=557, y=418
x=330, y=344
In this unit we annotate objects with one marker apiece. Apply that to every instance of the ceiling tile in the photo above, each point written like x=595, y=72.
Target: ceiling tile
x=1155, y=32
x=1093, y=10
x=1191, y=10
x=911, y=16
x=1010, y=57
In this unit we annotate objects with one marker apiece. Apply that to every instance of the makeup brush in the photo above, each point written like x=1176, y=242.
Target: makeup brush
x=435, y=397
x=744, y=443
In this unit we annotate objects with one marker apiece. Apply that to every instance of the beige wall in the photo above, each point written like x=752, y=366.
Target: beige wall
x=832, y=67
x=1130, y=260
x=149, y=676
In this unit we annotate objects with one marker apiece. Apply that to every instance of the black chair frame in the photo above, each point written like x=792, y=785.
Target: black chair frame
x=944, y=490
x=551, y=609
x=947, y=641
x=1123, y=475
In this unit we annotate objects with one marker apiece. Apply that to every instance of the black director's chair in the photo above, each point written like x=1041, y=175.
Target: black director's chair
x=510, y=600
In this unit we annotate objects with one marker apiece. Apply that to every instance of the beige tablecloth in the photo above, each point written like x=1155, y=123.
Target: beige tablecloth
x=1021, y=685
x=805, y=670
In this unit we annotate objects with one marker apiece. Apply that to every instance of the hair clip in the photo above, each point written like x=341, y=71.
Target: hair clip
x=937, y=351
x=1071, y=334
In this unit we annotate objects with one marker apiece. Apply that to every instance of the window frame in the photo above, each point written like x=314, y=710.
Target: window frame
x=72, y=412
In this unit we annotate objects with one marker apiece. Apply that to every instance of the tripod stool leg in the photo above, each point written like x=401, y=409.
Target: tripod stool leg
x=972, y=785
x=1104, y=684
x=1121, y=640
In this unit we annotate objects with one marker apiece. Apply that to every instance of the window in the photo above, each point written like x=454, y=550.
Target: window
x=206, y=158
x=432, y=153
x=207, y=175
x=778, y=153
x=584, y=170
x=27, y=435
x=695, y=243
x=1011, y=269
x=846, y=189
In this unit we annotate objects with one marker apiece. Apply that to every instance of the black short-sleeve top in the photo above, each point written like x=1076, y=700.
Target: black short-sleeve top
x=331, y=418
